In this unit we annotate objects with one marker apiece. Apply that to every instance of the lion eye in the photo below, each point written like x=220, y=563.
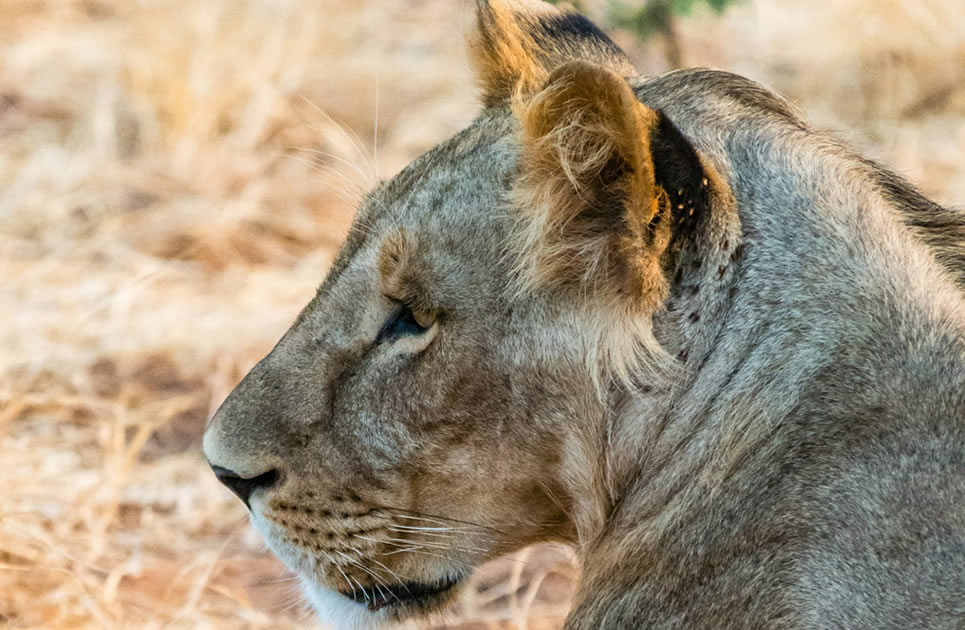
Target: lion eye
x=404, y=322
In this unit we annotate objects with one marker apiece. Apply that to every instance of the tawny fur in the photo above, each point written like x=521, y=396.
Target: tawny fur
x=666, y=322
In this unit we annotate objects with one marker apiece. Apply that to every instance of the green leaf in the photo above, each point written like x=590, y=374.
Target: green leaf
x=683, y=7
x=655, y=16
x=719, y=5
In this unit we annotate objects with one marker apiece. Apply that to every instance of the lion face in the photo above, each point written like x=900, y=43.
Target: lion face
x=440, y=401
x=401, y=430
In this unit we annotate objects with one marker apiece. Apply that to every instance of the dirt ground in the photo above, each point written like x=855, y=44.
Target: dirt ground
x=175, y=177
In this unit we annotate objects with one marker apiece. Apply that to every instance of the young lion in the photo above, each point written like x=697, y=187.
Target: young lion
x=658, y=318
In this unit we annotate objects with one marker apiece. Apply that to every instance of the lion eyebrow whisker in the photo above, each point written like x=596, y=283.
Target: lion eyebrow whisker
x=360, y=149
x=353, y=165
x=322, y=168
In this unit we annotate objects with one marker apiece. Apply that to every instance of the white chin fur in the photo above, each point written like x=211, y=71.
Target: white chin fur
x=337, y=612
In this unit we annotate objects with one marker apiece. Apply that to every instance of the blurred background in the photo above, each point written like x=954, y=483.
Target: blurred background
x=175, y=177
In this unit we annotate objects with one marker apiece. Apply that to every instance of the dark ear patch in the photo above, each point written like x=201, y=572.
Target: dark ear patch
x=517, y=44
x=574, y=31
x=679, y=171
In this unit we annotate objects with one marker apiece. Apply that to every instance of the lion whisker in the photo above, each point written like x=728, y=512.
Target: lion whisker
x=429, y=518
x=415, y=518
x=365, y=593
x=415, y=550
x=435, y=545
x=354, y=139
x=426, y=529
x=405, y=543
x=338, y=567
x=323, y=168
x=359, y=565
x=437, y=534
x=331, y=156
x=402, y=581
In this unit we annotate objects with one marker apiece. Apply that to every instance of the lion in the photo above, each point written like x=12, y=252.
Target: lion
x=660, y=319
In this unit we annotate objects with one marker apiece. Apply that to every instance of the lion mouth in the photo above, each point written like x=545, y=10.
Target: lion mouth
x=409, y=593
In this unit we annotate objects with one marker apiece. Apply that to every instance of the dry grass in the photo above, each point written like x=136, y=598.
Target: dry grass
x=174, y=179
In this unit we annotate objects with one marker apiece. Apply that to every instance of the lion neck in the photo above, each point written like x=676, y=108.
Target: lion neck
x=750, y=324
x=704, y=470
x=634, y=435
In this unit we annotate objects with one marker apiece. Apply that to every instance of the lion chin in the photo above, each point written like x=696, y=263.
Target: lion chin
x=385, y=610
x=339, y=612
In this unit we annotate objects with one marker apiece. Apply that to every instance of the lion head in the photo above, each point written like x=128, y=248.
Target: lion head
x=443, y=399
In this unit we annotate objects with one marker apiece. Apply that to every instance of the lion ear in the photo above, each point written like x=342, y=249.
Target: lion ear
x=605, y=186
x=518, y=43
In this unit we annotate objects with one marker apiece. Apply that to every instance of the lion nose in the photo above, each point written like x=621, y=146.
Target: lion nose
x=244, y=486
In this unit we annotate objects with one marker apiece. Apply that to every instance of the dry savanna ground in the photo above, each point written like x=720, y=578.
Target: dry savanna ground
x=175, y=177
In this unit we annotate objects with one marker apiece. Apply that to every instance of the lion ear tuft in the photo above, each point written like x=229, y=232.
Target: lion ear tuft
x=518, y=43
x=595, y=168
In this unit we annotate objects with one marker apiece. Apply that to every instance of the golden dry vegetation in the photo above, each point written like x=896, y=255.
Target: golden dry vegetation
x=175, y=177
